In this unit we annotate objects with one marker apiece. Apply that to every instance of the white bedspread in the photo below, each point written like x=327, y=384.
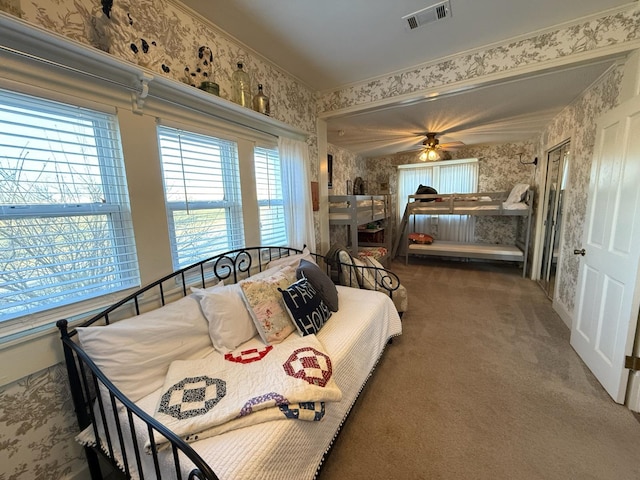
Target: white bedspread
x=354, y=338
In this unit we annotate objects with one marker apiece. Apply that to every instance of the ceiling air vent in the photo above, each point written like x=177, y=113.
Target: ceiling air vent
x=430, y=14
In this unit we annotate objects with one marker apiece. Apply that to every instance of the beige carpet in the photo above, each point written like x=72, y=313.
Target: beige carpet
x=483, y=384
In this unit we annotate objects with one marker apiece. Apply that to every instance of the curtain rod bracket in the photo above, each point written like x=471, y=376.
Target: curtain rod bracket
x=139, y=96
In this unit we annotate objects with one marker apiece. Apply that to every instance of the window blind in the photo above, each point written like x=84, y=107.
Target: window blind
x=268, y=175
x=202, y=194
x=65, y=223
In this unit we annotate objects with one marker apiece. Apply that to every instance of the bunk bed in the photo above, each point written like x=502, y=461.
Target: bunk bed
x=516, y=203
x=364, y=216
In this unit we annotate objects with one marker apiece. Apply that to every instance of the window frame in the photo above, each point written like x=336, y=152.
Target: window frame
x=233, y=205
x=113, y=210
x=277, y=200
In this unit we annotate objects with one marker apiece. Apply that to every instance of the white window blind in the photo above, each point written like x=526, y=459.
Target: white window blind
x=202, y=193
x=65, y=223
x=268, y=172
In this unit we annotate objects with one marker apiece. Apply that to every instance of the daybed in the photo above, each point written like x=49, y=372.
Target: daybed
x=169, y=355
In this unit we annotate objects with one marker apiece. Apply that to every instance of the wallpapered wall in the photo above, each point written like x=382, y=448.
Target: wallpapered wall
x=544, y=47
x=37, y=424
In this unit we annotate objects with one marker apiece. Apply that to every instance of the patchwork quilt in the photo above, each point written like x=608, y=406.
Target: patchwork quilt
x=207, y=397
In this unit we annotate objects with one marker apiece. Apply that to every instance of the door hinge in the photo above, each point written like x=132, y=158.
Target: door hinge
x=632, y=363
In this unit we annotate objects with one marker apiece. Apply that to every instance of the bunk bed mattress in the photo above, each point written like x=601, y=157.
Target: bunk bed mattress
x=444, y=208
x=362, y=215
x=468, y=250
x=354, y=338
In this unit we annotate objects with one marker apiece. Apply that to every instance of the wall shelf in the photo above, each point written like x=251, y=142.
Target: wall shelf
x=22, y=42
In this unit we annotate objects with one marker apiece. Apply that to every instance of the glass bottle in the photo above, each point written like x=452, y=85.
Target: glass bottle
x=261, y=101
x=241, y=87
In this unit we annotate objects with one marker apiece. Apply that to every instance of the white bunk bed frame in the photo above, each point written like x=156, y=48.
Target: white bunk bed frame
x=356, y=210
x=469, y=204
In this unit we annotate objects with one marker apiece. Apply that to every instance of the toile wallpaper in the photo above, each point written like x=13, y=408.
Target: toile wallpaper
x=547, y=46
x=36, y=427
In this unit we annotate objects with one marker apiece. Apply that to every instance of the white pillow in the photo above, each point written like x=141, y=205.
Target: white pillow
x=135, y=353
x=517, y=193
x=292, y=260
x=230, y=323
x=201, y=292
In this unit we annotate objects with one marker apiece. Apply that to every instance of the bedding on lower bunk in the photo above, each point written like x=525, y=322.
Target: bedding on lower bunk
x=270, y=443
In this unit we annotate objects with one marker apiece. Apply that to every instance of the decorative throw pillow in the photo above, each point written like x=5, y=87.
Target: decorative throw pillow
x=320, y=281
x=230, y=323
x=348, y=271
x=421, y=238
x=305, y=307
x=266, y=306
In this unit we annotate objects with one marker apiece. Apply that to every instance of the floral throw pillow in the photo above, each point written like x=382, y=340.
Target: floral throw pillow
x=265, y=304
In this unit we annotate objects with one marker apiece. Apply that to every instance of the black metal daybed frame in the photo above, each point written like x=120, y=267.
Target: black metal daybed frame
x=86, y=378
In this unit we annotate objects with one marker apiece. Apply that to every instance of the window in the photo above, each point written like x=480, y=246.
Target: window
x=65, y=223
x=202, y=194
x=455, y=176
x=268, y=172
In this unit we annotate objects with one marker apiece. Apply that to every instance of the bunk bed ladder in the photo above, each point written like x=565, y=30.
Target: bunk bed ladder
x=400, y=232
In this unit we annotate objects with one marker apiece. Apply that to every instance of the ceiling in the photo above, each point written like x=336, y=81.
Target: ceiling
x=331, y=43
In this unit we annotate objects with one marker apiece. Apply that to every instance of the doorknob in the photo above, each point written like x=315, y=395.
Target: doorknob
x=580, y=252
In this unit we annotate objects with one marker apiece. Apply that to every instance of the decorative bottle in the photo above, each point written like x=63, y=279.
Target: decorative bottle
x=261, y=101
x=241, y=87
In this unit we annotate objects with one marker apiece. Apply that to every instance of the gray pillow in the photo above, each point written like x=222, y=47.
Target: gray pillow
x=320, y=281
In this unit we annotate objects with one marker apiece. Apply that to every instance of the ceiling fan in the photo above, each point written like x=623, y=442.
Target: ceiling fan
x=432, y=145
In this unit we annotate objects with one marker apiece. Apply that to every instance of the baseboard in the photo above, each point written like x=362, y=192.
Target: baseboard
x=633, y=392
x=566, y=317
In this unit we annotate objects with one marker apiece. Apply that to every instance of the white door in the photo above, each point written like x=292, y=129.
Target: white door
x=607, y=295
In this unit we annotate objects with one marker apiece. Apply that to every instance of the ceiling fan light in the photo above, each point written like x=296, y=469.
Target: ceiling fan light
x=432, y=155
x=423, y=156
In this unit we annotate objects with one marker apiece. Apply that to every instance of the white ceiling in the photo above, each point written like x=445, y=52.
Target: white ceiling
x=331, y=43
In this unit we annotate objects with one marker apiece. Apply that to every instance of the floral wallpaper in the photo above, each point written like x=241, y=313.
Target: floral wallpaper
x=578, y=123
x=178, y=37
x=603, y=32
x=37, y=426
